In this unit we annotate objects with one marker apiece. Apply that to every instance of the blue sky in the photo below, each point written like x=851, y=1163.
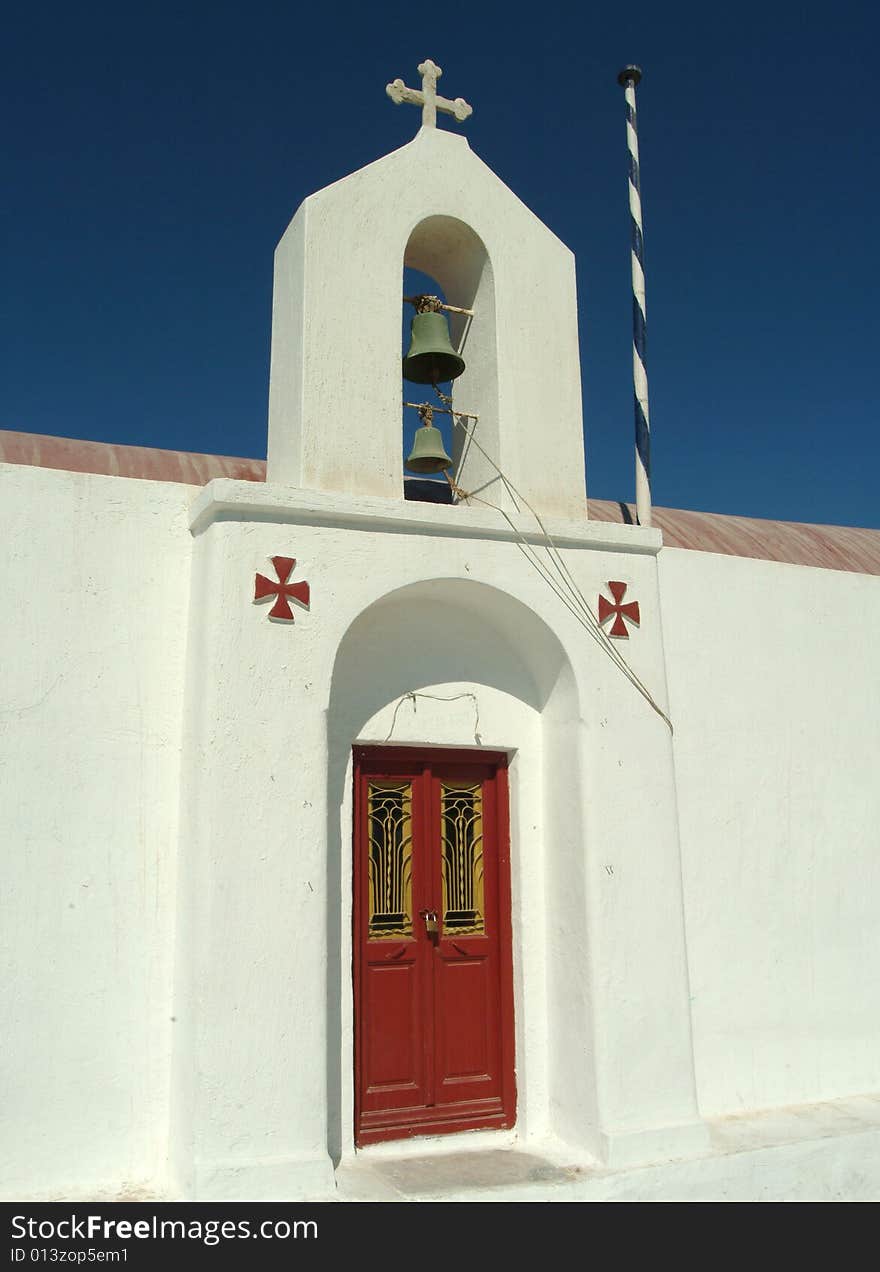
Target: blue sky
x=153, y=157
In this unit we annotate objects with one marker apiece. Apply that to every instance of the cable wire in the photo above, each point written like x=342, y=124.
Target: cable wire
x=565, y=586
x=412, y=695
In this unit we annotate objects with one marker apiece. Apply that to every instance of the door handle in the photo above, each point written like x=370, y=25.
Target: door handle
x=432, y=924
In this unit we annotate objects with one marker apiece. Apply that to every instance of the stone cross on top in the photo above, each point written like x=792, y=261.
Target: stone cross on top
x=427, y=98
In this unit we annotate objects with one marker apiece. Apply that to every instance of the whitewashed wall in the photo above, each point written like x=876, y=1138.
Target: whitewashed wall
x=775, y=701
x=775, y=694
x=95, y=593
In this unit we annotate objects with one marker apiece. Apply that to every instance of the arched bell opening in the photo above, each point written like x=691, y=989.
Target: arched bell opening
x=424, y=487
x=444, y=257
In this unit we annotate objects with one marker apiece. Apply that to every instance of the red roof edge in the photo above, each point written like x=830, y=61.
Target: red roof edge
x=144, y=462
x=849, y=548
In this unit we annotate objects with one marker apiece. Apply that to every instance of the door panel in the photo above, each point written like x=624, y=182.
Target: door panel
x=393, y=1061
x=432, y=964
x=465, y=1049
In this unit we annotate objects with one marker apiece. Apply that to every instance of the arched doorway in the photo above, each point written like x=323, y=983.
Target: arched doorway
x=451, y=663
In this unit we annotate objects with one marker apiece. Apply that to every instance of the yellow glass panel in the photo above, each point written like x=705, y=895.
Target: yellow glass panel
x=389, y=819
x=461, y=833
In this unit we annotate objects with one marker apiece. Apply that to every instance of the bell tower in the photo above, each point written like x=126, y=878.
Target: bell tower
x=336, y=393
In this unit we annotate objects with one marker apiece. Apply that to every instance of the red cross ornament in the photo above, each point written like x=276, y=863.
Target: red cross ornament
x=621, y=612
x=282, y=590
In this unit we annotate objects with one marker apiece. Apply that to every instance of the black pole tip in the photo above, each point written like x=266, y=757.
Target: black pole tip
x=629, y=75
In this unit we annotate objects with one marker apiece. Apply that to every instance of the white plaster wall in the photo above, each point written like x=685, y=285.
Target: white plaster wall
x=92, y=650
x=776, y=702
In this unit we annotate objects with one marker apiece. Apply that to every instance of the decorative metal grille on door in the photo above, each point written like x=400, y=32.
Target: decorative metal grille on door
x=461, y=835
x=390, y=845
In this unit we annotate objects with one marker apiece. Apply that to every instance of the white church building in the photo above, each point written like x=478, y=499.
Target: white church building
x=367, y=847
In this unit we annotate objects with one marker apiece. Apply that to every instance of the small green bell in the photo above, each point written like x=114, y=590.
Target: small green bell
x=431, y=358
x=428, y=454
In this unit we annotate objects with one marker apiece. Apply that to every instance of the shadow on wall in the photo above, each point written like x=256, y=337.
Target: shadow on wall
x=431, y=633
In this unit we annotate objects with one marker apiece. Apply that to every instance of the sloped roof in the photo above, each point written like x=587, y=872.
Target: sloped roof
x=828, y=547
x=74, y=456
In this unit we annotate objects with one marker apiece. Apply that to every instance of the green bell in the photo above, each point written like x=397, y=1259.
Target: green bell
x=431, y=358
x=428, y=454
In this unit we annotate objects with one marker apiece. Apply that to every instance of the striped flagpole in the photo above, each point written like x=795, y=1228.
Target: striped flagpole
x=627, y=79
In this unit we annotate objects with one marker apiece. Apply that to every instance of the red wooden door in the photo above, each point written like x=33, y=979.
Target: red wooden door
x=432, y=954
